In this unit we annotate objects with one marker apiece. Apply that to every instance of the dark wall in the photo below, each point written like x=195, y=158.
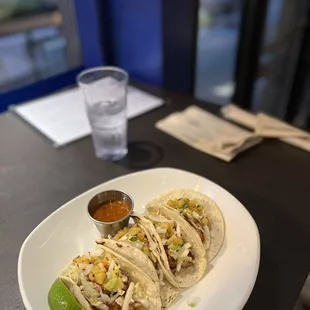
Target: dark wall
x=136, y=28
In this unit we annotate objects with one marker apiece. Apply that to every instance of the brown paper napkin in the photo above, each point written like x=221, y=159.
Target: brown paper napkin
x=267, y=126
x=208, y=133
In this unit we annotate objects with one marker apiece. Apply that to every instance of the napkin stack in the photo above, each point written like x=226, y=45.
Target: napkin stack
x=268, y=127
x=208, y=133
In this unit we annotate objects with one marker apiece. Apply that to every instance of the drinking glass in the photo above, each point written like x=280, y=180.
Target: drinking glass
x=105, y=92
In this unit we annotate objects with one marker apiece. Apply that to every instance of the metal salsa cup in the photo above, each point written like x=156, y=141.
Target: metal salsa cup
x=109, y=228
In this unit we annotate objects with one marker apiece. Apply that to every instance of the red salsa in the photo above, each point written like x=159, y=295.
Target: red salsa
x=111, y=211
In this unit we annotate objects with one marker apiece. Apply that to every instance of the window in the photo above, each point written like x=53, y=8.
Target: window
x=38, y=39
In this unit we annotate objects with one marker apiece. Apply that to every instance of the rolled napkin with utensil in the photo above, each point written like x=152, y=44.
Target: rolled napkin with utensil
x=208, y=133
x=268, y=127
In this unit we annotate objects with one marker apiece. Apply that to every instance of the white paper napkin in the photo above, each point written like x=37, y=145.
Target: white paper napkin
x=208, y=133
x=267, y=126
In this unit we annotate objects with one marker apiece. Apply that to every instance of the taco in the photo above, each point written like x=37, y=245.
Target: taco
x=179, y=247
x=105, y=280
x=140, y=238
x=132, y=251
x=201, y=213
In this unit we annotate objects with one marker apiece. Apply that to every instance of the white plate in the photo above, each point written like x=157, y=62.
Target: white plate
x=69, y=232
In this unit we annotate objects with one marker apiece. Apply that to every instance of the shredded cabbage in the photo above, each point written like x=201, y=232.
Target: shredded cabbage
x=184, y=253
x=138, y=290
x=109, y=273
x=98, y=304
x=97, y=252
x=88, y=287
x=207, y=240
x=178, y=231
x=144, y=302
x=102, y=290
x=206, y=229
x=124, y=237
x=104, y=297
x=187, y=245
x=86, y=268
x=179, y=264
x=159, y=219
x=128, y=296
x=115, y=296
x=72, y=272
x=115, y=271
x=102, y=307
x=138, y=245
x=161, y=230
x=177, y=249
x=114, y=284
x=161, y=277
x=120, y=300
x=196, y=215
x=124, y=278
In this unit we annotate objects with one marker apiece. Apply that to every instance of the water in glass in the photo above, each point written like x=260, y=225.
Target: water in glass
x=109, y=127
x=105, y=92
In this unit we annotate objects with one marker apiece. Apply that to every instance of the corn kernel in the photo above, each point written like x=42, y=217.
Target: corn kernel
x=172, y=203
x=141, y=236
x=164, y=225
x=134, y=230
x=145, y=250
x=100, y=277
x=192, y=203
x=200, y=209
x=96, y=269
x=104, y=261
x=119, y=235
x=204, y=221
x=174, y=239
x=183, y=202
x=82, y=259
x=97, y=261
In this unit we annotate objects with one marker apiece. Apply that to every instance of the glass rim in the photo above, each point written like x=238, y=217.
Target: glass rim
x=100, y=68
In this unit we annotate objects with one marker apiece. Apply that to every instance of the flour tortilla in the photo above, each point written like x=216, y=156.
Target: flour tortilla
x=137, y=275
x=76, y=292
x=154, y=247
x=168, y=293
x=188, y=276
x=134, y=274
x=215, y=217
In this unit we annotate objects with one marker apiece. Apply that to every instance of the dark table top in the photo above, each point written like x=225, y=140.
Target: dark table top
x=272, y=180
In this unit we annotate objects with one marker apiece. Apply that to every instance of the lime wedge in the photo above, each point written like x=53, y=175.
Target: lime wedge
x=60, y=298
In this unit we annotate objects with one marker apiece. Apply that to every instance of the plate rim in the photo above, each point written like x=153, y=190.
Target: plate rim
x=258, y=248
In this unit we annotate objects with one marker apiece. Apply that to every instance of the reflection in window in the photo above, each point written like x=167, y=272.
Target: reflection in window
x=38, y=39
x=284, y=28
x=217, y=42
